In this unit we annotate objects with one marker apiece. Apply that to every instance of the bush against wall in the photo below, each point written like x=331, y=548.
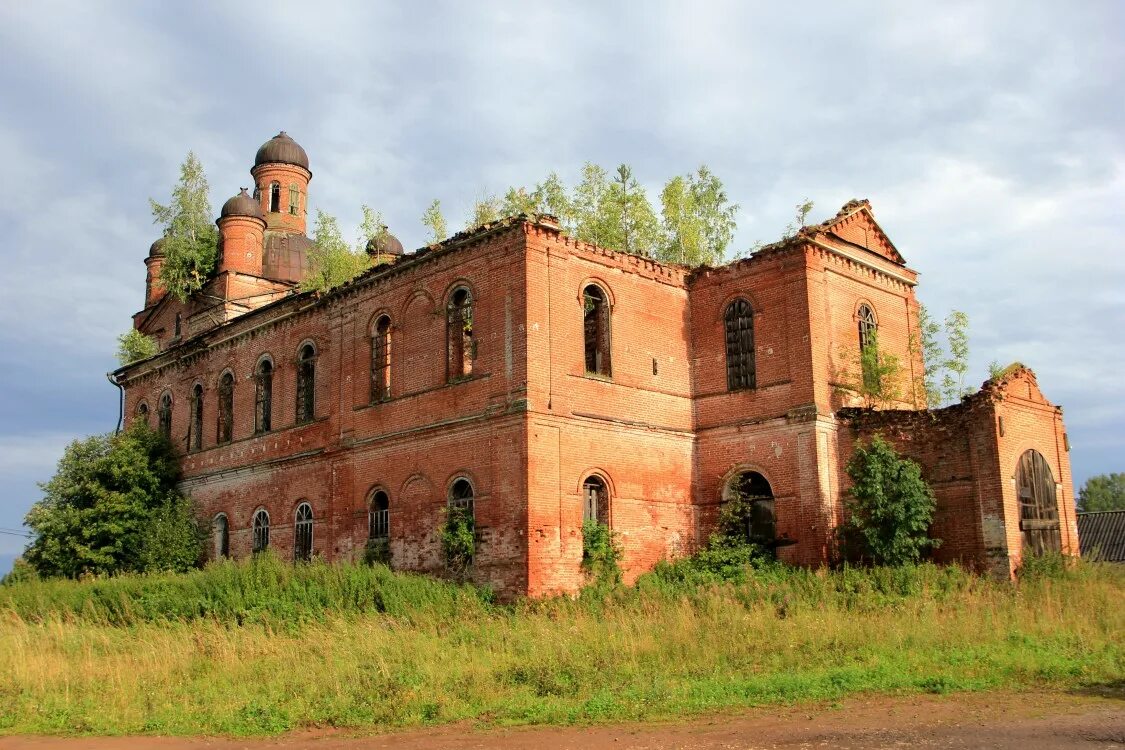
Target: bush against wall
x=133, y=346
x=601, y=554
x=458, y=539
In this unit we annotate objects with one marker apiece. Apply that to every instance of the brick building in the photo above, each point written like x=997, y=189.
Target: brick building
x=538, y=379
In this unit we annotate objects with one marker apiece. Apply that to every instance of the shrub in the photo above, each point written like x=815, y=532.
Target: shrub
x=458, y=539
x=377, y=552
x=601, y=554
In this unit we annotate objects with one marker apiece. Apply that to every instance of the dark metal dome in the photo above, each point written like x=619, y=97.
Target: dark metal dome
x=281, y=149
x=384, y=244
x=242, y=205
x=157, y=249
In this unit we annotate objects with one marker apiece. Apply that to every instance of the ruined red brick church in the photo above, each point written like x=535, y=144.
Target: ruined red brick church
x=537, y=379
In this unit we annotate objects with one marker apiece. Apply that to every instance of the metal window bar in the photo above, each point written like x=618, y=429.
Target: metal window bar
x=739, y=325
x=306, y=381
x=263, y=398
x=261, y=531
x=303, y=533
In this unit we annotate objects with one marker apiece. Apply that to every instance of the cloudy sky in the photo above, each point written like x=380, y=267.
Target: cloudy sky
x=990, y=138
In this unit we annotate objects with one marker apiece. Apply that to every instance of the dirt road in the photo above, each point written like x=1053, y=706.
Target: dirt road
x=1002, y=721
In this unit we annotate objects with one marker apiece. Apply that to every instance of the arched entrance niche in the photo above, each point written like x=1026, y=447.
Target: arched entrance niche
x=761, y=518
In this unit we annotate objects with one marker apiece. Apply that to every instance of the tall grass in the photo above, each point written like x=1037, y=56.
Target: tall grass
x=104, y=657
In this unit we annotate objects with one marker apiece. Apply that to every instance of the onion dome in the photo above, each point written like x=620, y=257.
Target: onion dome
x=157, y=249
x=242, y=205
x=384, y=243
x=281, y=149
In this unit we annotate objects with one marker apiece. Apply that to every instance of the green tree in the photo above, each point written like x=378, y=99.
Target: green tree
x=113, y=507
x=1102, y=492
x=699, y=220
x=190, y=236
x=485, y=211
x=803, y=209
x=874, y=375
x=133, y=346
x=957, y=363
x=591, y=223
x=551, y=198
x=331, y=261
x=433, y=220
x=371, y=227
x=889, y=508
x=929, y=347
x=518, y=201
x=629, y=217
x=458, y=539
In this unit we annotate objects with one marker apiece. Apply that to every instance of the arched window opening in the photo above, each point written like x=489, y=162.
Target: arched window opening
x=595, y=322
x=197, y=417
x=306, y=383
x=275, y=197
x=595, y=495
x=461, y=346
x=381, y=360
x=461, y=495
x=261, y=530
x=142, y=412
x=220, y=537
x=303, y=533
x=1039, y=508
x=179, y=323
x=738, y=320
x=226, y=408
x=756, y=495
x=868, y=346
x=380, y=518
x=294, y=199
x=263, y=396
x=164, y=416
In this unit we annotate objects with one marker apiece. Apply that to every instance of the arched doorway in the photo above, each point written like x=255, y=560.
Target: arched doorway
x=1039, y=508
x=760, y=518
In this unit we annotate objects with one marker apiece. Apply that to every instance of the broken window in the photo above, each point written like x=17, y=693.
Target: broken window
x=226, y=408
x=461, y=346
x=142, y=412
x=306, y=383
x=164, y=415
x=1039, y=509
x=294, y=199
x=595, y=322
x=868, y=346
x=303, y=533
x=379, y=526
x=197, y=417
x=381, y=360
x=275, y=197
x=738, y=320
x=220, y=537
x=261, y=530
x=595, y=495
x=461, y=495
x=263, y=396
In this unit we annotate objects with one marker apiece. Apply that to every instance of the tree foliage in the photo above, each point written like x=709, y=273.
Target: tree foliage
x=190, y=235
x=433, y=220
x=872, y=374
x=113, y=507
x=1102, y=492
x=133, y=346
x=890, y=506
x=601, y=554
x=944, y=364
x=698, y=219
x=331, y=261
x=458, y=539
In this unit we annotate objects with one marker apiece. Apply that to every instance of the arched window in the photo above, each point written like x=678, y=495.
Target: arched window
x=197, y=417
x=381, y=360
x=754, y=491
x=461, y=495
x=461, y=346
x=303, y=533
x=595, y=326
x=261, y=530
x=380, y=518
x=738, y=321
x=306, y=383
x=220, y=537
x=164, y=415
x=275, y=197
x=595, y=495
x=868, y=346
x=263, y=396
x=1039, y=508
x=294, y=199
x=226, y=408
x=142, y=412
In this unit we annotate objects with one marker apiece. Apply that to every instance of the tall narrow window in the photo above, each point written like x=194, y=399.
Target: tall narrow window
x=306, y=383
x=738, y=321
x=220, y=537
x=381, y=360
x=380, y=519
x=294, y=199
x=461, y=346
x=275, y=197
x=868, y=346
x=303, y=533
x=595, y=322
x=263, y=396
x=197, y=417
x=179, y=323
x=261, y=530
x=164, y=415
x=595, y=496
x=226, y=408
x=142, y=412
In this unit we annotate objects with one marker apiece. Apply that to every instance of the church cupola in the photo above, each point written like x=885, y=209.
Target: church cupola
x=154, y=290
x=281, y=178
x=384, y=248
x=242, y=228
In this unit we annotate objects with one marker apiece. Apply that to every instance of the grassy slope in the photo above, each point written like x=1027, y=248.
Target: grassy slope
x=360, y=647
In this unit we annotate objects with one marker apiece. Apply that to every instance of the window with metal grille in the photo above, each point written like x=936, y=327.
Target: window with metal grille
x=164, y=415
x=226, y=408
x=738, y=320
x=461, y=346
x=294, y=199
x=595, y=496
x=380, y=518
x=263, y=396
x=261, y=530
x=381, y=360
x=220, y=537
x=461, y=495
x=868, y=345
x=595, y=326
x=275, y=197
x=197, y=417
x=303, y=533
x=306, y=383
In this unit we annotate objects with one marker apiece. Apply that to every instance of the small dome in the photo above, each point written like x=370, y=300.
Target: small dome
x=157, y=249
x=281, y=149
x=242, y=205
x=384, y=244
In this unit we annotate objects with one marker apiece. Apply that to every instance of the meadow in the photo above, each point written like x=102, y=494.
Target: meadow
x=263, y=647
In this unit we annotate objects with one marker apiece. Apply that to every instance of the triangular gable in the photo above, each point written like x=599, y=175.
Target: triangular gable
x=856, y=225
